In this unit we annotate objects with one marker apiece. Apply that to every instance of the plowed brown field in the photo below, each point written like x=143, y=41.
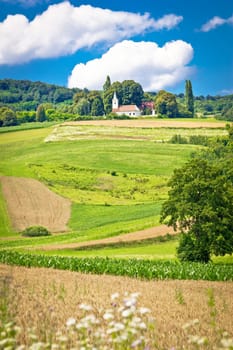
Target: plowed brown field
x=128, y=237
x=29, y=203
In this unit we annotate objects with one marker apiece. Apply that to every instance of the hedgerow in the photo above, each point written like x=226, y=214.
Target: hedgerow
x=135, y=268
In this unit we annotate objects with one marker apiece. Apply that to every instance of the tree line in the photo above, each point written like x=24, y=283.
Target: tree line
x=21, y=101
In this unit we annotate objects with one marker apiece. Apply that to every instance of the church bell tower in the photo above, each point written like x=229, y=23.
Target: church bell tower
x=115, y=102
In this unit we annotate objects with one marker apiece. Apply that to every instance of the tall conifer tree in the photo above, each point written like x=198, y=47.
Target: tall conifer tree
x=189, y=100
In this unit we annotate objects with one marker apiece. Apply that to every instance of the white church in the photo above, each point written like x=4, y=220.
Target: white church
x=130, y=110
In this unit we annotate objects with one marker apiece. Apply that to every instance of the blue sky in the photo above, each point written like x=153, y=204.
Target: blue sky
x=158, y=43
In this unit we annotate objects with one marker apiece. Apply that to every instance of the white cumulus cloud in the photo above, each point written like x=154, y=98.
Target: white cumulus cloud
x=152, y=66
x=63, y=29
x=216, y=22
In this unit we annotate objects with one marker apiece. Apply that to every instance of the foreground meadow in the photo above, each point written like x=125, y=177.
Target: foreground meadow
x=184, y=314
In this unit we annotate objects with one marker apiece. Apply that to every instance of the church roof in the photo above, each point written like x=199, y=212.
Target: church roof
x=126, y=108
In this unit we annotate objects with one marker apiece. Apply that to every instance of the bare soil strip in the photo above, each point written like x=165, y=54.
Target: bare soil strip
x=128, y=237
x=150, y=123
x=46, y=298
x=29, y=203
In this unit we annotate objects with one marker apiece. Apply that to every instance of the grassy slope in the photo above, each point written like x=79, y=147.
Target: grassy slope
x=20, y=150
x=90, y=221
x=5, y=225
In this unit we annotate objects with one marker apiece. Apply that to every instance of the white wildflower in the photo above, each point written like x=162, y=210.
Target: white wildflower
x=193, y=339
x=135, y=295
x=127, y=312
x=108, y=316
x=37, y=346
x=225, y=334
x=91, y=319
x=33, y=336
x=63, y=339
x=227, y=343
x=130, y=302
x=70, y=322
x=119, y=326
x=202, y=341
x=115, y=296
x=82, y=324
x=195, y=321
x=120, y=339
x=22, y=347
x=142, y=325
x=55, y=347
x=144, y=310
x=85, y=307
x=186, y=325
x=111, y=330
x=136, y=343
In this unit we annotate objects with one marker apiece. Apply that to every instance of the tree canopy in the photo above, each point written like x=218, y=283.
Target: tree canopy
x=200, y=203
x=40, y=114
x=7, y=117
x=166, y=105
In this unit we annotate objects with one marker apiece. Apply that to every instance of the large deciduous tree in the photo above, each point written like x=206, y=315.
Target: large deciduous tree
x=200, y=203
x=83, y=107
x=132, y=93
x=97, y=107
x=7, y=117
x=166, y=105
x=40, y=114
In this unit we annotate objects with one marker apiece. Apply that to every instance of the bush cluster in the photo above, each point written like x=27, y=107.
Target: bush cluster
x=36, y=231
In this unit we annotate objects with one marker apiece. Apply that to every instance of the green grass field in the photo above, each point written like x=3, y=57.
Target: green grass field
x=117, y=185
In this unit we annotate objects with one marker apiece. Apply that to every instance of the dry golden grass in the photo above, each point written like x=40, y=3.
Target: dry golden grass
x=46, y=298
x=137, y=123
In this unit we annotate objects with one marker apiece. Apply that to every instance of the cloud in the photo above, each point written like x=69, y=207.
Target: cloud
x=216, y=22
x=226, y=92
x=63, y=29
x=152, y=66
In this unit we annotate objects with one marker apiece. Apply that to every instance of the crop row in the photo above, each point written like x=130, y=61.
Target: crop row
x=144, y=269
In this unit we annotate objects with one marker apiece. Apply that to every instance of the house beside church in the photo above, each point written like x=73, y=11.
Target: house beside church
x=130, y=110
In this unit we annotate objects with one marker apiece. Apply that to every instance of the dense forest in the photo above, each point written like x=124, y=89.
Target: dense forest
x=26, y=101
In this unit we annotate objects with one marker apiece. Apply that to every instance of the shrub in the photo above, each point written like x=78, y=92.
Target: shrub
x=35, y=231
x=178, y=139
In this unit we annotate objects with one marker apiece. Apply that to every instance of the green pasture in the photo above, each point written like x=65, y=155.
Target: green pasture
x=115, y=177
x=164, y=251
x=5, y=225
x=26, y=126
x=133, y=250
x=105, y=179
